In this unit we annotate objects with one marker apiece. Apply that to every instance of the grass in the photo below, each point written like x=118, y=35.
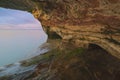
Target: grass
x=55, y=53
x=41, y=58
x=74, y=53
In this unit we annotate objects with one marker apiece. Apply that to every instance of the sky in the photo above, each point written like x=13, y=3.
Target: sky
x=16, y=19
x=22, y=31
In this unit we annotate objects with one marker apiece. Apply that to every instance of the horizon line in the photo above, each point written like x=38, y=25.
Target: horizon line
x=21, y=29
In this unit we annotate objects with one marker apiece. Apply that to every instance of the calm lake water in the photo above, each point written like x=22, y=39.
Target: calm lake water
x=20, y=36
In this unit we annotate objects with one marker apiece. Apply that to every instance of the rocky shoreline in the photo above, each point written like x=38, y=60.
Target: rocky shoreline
x=24, y=65
x=85, y=34
x=66, y=60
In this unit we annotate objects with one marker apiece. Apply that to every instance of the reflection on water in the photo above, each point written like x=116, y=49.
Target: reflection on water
x=16, y=45
x=20, y=36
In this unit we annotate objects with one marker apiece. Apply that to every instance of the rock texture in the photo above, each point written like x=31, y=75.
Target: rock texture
x=82, y=21
x=73, y=63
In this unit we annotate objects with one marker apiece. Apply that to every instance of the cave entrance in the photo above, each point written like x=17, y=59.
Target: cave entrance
x=54, y=35
x=94, y=46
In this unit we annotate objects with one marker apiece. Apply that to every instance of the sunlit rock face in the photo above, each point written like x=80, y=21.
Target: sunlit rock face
x=82, y=21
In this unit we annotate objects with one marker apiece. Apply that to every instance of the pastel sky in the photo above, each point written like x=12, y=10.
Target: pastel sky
x=15, y=19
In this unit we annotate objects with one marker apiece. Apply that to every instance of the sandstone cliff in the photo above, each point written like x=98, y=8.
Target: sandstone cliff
x=84, y=21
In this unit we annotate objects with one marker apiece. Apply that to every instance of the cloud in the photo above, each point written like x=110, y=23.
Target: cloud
x=15, y=19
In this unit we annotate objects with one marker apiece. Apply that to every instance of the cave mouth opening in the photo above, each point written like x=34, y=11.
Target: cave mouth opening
x=99, y=50
x=54, y=35
x=94, y=46
x=21, y=35
x=95, y=49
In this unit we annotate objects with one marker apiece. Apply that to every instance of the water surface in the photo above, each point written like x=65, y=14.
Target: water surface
x=20, y=36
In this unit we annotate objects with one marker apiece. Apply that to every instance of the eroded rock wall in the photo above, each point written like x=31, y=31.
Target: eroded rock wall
x=84, y=21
